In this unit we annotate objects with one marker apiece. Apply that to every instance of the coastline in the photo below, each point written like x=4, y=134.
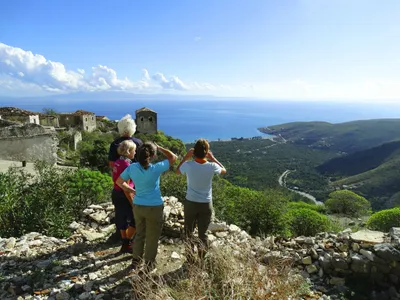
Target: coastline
x=264, y=136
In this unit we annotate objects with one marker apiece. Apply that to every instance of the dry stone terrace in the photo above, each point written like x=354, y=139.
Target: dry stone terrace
x=85, y=265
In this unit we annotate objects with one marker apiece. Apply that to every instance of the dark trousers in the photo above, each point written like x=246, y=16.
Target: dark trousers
x=200, y=214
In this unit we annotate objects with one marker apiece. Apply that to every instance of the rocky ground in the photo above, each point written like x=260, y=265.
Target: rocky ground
x=87, y=265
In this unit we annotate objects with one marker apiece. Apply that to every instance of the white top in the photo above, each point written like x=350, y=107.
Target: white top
x=199, y=180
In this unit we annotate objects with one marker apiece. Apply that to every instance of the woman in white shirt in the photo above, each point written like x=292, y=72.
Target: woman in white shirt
x=198, y=205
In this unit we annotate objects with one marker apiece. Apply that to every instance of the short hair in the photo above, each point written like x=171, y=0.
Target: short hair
x=127, y=126
x=126, y=147
x=201, y=148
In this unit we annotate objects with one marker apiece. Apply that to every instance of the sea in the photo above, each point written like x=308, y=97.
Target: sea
x=224, y=119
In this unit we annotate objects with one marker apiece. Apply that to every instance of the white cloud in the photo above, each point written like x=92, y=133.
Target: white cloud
x=174, y=83
x=197, y=39
x=146, y=76
x=35, y=69
x=25, y=73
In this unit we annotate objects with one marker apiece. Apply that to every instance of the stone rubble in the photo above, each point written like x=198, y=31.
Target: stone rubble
x=84, y=266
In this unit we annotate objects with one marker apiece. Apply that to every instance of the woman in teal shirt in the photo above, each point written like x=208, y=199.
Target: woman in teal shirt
x=148, y=204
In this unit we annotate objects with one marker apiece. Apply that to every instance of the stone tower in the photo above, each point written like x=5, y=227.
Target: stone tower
x=146, y=120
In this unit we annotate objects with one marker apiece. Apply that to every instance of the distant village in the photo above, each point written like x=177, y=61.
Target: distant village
x=27, y=136
x=146, y=119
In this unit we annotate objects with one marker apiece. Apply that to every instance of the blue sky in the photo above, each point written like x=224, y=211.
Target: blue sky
x=294, y=49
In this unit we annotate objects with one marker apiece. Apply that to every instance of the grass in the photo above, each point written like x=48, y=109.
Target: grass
x=224, y=276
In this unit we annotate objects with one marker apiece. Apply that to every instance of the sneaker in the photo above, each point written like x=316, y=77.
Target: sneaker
x=126, y=247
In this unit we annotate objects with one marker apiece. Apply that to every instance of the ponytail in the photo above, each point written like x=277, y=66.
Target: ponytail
x=146, y=153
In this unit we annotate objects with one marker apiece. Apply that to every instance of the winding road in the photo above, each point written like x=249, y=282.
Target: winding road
x=282, y=182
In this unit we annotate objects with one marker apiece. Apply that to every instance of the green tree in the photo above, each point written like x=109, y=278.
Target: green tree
x=49, y=111
x=347, y=203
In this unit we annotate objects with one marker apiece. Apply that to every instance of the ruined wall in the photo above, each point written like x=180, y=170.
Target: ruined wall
x=69, y=120
x=29, y=142
x=49, y=121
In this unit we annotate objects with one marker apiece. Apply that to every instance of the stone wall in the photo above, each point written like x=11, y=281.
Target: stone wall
x=29, y=142
x=328, y=260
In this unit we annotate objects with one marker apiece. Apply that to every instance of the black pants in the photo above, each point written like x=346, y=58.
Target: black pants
x=123, y=210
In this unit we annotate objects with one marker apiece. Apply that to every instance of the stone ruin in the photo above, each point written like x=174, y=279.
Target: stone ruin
x=28, y=142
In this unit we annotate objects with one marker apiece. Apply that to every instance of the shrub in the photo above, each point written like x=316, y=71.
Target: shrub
x=385, y=219
x=48, y=201
x=90, y=186
x=297, y=205
x=257, y=212
x=306, y=222
x=172, y=184
x=347, y=203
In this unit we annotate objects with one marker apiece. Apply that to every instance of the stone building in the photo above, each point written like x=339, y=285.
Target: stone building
x=27, y=142
x=18, y=115
x=146, y=120
x=81, y=119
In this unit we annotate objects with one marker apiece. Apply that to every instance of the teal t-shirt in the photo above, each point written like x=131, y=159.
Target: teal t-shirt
x=147, y=182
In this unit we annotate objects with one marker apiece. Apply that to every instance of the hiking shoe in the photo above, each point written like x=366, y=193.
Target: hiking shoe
x=126, y=247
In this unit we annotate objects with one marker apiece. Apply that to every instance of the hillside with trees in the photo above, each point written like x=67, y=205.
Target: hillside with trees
x=346, y=137
x=373, y=173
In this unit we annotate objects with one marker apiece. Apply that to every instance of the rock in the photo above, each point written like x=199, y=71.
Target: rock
x=94, y=206
x=337, y=281
x=340, y=264
x=355, y=247
x=87, y=211
x=211, y=237
x=222, y=234
x=108, y=229
x=368, y=254
x=309, y=241
x=387, y=252
x=306, y=260
x=234, y=228
x=167, y=212
x=99, y=217
x=62, y=296
x=175, y=255
x=215, y=227
x=90, y=235
x=314, y=253
x=300, y=239
x=43, y=263
x=395, y=232
x=311, y=269
x=368, y=236
x=360, y=264
x=84, y=296
x=10, y=244
x=74, y=225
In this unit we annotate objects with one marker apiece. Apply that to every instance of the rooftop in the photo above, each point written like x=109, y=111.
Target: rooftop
x=145, y=109
x=14, y=111
x=79, y=113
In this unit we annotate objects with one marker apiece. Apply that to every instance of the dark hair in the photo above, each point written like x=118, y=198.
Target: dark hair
x=201, y=148
x=146, y=153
